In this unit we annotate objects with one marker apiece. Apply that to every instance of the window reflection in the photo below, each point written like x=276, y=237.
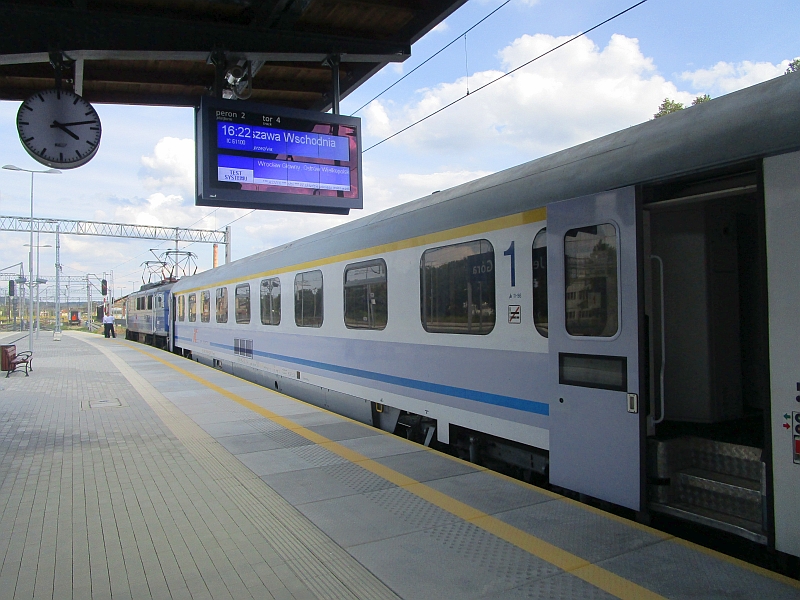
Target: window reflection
x=243, y=303
x=457, y=288
x=591, y=297
x=540, y=282
x=308, y=299
x=365, y=299
x=271, y=301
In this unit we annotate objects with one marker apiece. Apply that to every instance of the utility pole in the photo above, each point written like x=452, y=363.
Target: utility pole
x=57, y=330
x=88, y=303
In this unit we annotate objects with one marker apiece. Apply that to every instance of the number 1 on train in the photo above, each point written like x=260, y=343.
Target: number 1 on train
x=510, y=252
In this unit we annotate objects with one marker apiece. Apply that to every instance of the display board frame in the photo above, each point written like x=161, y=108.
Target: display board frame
x=258, y=164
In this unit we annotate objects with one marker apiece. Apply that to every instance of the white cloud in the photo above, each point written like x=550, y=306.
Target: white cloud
x=725, y=77
x=576, y=94
x=170, y=166
x=441, y=27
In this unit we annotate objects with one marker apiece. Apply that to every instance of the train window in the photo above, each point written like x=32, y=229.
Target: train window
x=365, y=298
x=590, y=273
x=243, y=303
x=205, y=306
x=159, y=301
x=150, y=302
x=222, y=305
x=181, y=307
x=457, y=288
x=192, y=307
x=308, y=299
x=271, y=301
x=540, y=282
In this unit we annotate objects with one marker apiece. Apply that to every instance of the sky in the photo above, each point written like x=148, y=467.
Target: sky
x=613, y=78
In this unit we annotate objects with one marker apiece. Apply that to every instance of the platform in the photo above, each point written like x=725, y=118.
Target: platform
x=128, y=472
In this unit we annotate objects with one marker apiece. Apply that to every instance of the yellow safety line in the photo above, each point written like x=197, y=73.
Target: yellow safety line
x=523, y=218
x=579, y=567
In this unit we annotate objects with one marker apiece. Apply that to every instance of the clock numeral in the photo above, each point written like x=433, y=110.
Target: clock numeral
x=74, y=102
x=88, y=113
x=94, y=128
x=28, y=107
x=78, y=152
x=90, y=143
x=28, y=139
x=40, y=97
x=42, y=152
x=60, y=157
x=23, y=123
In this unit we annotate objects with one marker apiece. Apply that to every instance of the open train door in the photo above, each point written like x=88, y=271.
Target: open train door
x=596, y=425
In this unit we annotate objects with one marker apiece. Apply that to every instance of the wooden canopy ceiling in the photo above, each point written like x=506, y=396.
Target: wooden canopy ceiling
x=172, y=52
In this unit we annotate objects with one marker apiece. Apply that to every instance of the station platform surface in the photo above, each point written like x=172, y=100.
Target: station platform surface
x=128, y=472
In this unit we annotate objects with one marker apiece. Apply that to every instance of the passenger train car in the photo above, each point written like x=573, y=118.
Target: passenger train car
x=620, y=317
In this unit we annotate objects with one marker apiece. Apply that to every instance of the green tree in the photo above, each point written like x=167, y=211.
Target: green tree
x=701, y=99
x=668, y=106
x=794, y=66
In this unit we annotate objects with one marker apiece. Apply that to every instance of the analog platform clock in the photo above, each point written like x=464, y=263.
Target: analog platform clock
x=59, y=129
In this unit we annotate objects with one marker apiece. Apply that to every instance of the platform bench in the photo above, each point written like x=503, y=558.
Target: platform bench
x=11, y=361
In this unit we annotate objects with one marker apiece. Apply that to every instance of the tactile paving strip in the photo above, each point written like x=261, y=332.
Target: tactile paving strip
x=263, y=425
x=560, y=587
x=288, y=439
x=509, y=565
x=357, y=478
x=411, y=508
x=318, y=456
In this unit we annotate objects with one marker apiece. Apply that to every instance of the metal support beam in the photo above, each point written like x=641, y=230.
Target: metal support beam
x=58, y=282
x=121, y=230
x=227, y=244
x=333, y=62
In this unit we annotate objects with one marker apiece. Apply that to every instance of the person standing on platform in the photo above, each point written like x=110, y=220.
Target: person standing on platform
x=108, y=325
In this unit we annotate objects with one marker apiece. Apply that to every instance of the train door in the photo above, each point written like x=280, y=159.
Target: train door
x=594, y=346
x=705, y=297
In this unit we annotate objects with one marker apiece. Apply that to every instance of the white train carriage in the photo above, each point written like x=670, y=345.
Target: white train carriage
x=620, y=317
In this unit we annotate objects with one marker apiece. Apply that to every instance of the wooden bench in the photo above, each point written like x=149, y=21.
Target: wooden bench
x=11, y=361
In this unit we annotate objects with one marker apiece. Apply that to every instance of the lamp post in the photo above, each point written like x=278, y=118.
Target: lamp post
x=39, y=280
x=30, y=254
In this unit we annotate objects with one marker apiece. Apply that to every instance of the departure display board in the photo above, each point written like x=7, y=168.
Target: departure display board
x=252, y=155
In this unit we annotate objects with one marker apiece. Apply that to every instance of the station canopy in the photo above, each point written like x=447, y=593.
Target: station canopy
x=172, y=52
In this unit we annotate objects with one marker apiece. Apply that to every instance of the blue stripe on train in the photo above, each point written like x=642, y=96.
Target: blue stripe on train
x=530, y=406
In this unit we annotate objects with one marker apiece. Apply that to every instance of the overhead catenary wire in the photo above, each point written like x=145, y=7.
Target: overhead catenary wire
x=514, y=70
x=431, y=57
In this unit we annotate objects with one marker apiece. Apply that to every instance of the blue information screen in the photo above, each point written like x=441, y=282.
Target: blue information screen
x=254, y=153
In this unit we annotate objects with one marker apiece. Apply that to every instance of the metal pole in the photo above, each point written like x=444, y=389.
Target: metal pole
x=333, y=60
x=38, y=309
x=30, y=279
x=227, y=244
x=58, y=280
x=88, y=304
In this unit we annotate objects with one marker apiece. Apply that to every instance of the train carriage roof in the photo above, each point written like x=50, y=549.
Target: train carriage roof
x=743, y=126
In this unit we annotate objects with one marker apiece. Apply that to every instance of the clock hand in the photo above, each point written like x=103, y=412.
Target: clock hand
x=64, y=129
x=81, y=123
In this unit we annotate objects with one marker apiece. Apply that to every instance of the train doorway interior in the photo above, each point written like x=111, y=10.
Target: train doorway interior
x=706, y=321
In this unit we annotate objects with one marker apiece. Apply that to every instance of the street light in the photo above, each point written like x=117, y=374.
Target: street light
x=38, y=280
x=30, y=254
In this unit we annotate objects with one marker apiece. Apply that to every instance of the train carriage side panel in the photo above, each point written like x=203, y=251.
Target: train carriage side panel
x=782, y=205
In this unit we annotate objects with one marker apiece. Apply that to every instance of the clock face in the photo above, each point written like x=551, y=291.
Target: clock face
x=59, y=129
